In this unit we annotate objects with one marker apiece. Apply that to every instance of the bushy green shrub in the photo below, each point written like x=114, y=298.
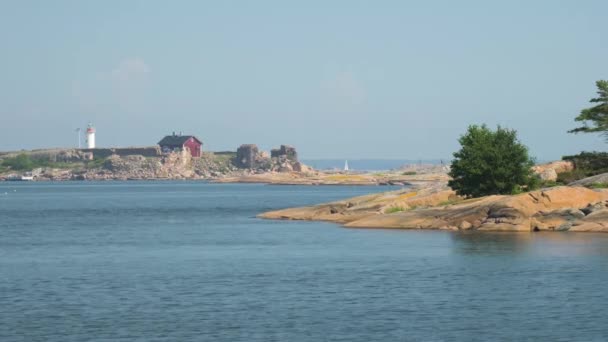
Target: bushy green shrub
x=491, y=162
x=534, y=182
x=409, y=173
x=449, y=202
x=598, y=185
x=22, y=162
x=592, y=163
x=392, y=210
x=95, y=163
x=571, y=176
x=550, y=184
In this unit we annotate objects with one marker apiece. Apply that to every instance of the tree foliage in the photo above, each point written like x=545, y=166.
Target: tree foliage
x=593, y=163
x=595, y=119
x=20, y=162
x=491, y=162
x=24, y=162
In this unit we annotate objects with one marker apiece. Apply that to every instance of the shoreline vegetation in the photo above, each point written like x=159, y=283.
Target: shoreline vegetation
x=493, y=186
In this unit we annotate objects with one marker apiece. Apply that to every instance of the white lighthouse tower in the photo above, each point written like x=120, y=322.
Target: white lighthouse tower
x=90, y=136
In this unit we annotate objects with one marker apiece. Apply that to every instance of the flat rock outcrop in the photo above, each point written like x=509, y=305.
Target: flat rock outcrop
x=553, y=209
x=356, y=208
x=303, y=175
x=597, y=179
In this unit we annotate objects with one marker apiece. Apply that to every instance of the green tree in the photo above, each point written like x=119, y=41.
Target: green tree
x=595, y=119
x=20, y=162
x=490, y=163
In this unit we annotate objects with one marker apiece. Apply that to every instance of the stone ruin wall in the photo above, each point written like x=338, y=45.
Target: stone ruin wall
x=283, y=159
x=246, y=156
x=286, y=151
x=149, y=151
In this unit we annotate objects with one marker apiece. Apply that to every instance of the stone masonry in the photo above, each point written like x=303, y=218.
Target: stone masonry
x=289, y=152
x=246, y=156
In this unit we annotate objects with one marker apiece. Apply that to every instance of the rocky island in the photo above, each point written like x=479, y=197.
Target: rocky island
x=248, y=164
x=577, y=207
x=561, y=208
x=140, y=163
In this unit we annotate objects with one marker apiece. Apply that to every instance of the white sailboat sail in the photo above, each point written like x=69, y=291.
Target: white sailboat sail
x=346, y=165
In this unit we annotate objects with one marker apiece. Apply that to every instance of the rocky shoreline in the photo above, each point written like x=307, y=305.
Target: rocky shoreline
x=128, y=164
x=336, y=178
x=247, y=165
x=434, y=206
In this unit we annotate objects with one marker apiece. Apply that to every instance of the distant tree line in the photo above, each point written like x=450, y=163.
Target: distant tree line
x=23, y=162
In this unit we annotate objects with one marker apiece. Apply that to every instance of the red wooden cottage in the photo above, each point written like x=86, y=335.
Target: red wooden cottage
x=181, y=142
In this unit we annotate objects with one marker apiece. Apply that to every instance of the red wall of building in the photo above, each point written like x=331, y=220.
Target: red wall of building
x=194, y=147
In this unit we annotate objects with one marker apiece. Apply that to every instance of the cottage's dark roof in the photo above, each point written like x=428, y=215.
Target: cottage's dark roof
x=176, y=140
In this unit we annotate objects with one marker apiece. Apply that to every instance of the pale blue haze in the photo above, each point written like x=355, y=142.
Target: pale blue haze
x=337, y=79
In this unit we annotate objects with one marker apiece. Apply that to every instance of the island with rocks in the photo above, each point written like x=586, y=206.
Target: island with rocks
x=248, y=164
x=493, y=185
x=143, y=163
x=434, y=206
x=580, y=206
x=566, y=195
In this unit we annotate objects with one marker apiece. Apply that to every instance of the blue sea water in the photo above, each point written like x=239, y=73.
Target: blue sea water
x=186, y=261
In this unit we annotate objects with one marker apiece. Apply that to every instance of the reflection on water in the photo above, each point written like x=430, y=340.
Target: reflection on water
x=186, y=261
x=491, y=243
x=545, y=243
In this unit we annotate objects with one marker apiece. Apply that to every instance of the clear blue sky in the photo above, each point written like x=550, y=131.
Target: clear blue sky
x=343, y=79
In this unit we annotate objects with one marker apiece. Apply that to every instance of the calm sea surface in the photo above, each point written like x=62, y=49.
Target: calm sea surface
x=182, y=261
